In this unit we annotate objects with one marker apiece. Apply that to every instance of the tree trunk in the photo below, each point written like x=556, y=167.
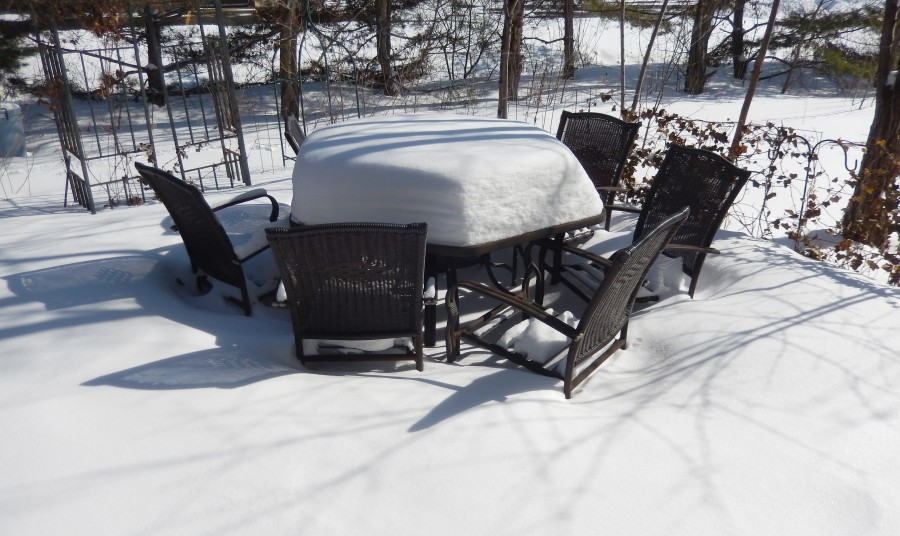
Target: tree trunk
x=516, y=58
x=503, y=96
x=640, y=80
x=871, y=214
x=622, y=58
x=695, y=77
x=288, y=71
x=739, y=58
x=383, y=44
x=568, y=39
x=155, y=78
x=736, y=147
x=510, y=54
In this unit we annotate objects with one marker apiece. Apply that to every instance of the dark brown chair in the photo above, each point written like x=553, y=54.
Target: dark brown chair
x=601, y=330
x=353, y=281
x=701, y=180
x=705, y=182
x=602, y=144
x=293, y=133
x=208, y=246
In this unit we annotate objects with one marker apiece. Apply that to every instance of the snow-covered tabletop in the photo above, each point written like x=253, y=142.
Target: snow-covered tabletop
x=474, y=180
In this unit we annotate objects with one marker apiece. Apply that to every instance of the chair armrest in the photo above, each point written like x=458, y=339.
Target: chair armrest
x=584, y=254
x=246, y=253
x=623, y=208
x=249, y=196
x=241, y=198
x=578, y=252
x=526, y=307
x=690, y=249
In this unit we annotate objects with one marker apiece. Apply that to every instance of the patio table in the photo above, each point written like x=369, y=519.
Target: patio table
x=481, y=184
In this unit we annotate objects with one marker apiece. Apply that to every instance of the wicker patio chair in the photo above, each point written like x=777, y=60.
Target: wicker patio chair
x=293, y=133
x=705, y=182
x=603, y=325
x=353, y=281
x=210, y=250
x=701, y=180
x=602, y=144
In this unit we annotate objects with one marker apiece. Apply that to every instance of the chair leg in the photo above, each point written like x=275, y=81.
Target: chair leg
x=244, y=304
x=203, y=284
x=693, y=286
x=245, y=300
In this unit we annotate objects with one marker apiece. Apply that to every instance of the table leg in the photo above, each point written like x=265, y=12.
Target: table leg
x=430, y=324
x=557, y=259
x=529, y=267
x=430, y=318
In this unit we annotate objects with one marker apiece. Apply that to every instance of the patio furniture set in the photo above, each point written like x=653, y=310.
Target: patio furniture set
x=451, y=192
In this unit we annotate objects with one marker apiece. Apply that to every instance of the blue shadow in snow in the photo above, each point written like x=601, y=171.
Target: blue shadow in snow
x=149, y=281
x=223, y=368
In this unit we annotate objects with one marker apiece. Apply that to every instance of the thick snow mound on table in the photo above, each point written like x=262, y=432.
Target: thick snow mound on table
x=473, y=180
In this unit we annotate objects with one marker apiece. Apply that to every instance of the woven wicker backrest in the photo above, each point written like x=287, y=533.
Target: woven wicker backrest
x=206, y=241
x=701, y=180
x=293, y=133
x=600, y=142
x=609, y=309
x=352, y=280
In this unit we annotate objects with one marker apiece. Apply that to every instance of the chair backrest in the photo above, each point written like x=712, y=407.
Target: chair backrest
x=352, y=280
x=701, y=180
x=206, y=241
x=610, y=308
x=600, y=142
x=293, y=133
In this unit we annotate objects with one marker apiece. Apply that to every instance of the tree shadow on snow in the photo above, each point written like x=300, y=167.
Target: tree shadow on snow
x=495, y=386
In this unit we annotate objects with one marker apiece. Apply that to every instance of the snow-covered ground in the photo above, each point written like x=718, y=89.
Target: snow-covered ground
x=768, y=404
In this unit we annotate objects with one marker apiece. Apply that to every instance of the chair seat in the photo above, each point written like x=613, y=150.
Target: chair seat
x=250, y=243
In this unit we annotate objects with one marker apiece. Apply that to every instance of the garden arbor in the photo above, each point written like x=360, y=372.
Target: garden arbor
x=104, y=99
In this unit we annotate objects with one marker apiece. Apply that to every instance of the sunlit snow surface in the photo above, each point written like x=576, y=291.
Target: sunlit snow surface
x=474, y=180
